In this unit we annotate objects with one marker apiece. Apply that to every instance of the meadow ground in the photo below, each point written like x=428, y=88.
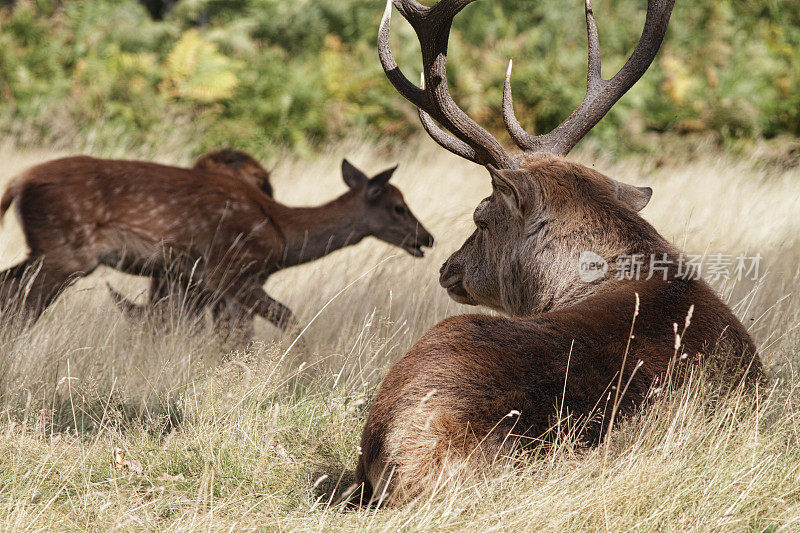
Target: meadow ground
x=245, y=439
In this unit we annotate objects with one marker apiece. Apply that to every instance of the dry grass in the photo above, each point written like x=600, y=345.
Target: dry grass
x=237, y=440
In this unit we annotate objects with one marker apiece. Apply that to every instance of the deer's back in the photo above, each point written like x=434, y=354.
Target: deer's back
x=83, y=199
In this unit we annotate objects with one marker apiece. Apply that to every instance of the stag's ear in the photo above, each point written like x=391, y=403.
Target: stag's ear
x=504, y=184
x=634, y=197
x=377, y=184
x=352, y=176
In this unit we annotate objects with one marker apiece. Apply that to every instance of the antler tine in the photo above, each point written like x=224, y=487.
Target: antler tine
x=593, y=72
x=444, y=139
x=408, y=90
x=522, y=138
x=414, y=94
x=432, y=25
x=601, y=95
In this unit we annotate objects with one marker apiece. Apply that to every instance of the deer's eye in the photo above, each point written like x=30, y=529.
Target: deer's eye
x=400, y=209
x=481, y=225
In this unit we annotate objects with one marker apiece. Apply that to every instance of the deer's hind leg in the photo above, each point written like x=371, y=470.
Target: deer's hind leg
x=166, y=302
x=171, y=294
x=174, y=293
x=420, y=450
x=13, y=286
x=29, y=288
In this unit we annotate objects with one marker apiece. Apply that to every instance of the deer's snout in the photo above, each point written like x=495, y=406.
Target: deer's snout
x=450, y=275
x=413, y=240
x=428, y=239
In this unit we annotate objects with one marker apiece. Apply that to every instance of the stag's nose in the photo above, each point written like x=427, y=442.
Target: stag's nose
x=451, y=276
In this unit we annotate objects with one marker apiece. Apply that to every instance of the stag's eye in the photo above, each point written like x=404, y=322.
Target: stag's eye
x=400, y=209
x=481, y=225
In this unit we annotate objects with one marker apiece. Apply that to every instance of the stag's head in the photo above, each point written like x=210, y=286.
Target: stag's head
x=544, y=211
x=385, y=211
x=238, y=165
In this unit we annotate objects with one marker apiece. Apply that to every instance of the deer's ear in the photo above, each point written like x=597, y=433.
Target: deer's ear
x=377, y=184
x=505, y=186
x=634, y=197
x=352, y=176
x=383, y=178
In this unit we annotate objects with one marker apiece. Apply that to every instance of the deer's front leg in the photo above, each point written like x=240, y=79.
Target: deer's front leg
x=238, y=274
x=232, y=319
x=253, y=299
x=273, y=310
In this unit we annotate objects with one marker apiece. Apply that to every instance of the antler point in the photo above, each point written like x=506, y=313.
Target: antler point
x=387, y=14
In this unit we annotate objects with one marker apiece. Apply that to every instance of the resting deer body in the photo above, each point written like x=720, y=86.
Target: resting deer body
x=475, y=387
x=147, y=219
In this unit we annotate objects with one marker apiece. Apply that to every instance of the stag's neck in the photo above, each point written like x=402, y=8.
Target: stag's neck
x=558, y=285
x=312, y=232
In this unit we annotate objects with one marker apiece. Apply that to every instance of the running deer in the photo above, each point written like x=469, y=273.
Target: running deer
x=148, y=219
x=475, y=387
x=181, y=294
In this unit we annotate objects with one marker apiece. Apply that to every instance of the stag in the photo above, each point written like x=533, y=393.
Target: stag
x=148, y=219
x=182, y=293
x=475, y=387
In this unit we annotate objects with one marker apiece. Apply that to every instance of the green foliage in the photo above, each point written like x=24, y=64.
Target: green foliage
x=270, y=72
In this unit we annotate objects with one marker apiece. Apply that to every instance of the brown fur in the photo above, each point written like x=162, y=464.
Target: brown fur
x=444, y=407
x=143, y=218
x=182, y=294
x=237, y=164
x=8, y=196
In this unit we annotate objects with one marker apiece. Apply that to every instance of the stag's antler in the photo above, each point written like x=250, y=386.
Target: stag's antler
x=472, y=142
x=601, y=94
x=432, y=25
